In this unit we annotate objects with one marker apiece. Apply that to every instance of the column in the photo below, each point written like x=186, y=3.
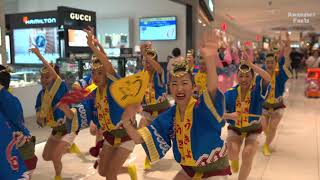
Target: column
x=3, y=32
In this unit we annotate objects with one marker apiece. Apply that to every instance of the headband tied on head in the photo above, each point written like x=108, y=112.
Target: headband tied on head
x=243, y=67
x=270, y=54
x=96, y=63
x=44, y=70
x=180, y=67
x=152, y=52
x=190, y=52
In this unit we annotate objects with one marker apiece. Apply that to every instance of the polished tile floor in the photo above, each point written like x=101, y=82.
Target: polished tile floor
x=295, y=149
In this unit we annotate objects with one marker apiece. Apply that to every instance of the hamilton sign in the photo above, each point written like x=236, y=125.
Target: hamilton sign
x=28, y=21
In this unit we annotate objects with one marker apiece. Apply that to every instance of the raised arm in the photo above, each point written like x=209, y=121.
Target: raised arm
x=129, y=113
x=264, y=74
x=209, y=53
x=45, y=62
x=287, y=50
x=155, y=65
x=101, y=55
x=97, y=44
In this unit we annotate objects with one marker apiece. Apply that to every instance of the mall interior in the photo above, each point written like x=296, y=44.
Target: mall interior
x=245, y=33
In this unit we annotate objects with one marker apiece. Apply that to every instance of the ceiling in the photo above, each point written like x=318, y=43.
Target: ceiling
x=270, y=17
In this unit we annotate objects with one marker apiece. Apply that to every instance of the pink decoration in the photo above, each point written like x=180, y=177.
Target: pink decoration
x=227, y=57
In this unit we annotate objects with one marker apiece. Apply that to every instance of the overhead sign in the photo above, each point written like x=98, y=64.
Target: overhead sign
x=32, y=20
x=80, y=17
x=29, y=21
x=76, y=18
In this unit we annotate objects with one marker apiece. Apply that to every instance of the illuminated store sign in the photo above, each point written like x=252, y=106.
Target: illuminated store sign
x=80, y=17
x=28, y=21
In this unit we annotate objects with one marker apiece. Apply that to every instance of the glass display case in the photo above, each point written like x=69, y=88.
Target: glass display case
x=86, y=68
x=131, y=66
x=25, y=76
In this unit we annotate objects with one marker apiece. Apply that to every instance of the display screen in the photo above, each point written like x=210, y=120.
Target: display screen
x=113, y=52
x=45, y=39
x=77, y=38
x=158, y=28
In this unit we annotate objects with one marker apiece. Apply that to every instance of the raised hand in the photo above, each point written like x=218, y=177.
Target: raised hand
x=209, y=45
x=44, y=61
x=209, y=51
x=130, y=111
x=248, y=58
x=90, y=36
x=35, y=51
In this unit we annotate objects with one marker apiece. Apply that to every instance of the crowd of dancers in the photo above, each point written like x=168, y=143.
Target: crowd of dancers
x=191, y=126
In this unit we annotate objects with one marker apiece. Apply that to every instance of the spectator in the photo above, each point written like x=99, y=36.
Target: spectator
x=314, y=60
x=176, y=52
x=296, y=58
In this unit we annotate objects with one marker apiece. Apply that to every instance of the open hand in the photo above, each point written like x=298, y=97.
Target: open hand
x=35, y=51
x=130, y=111
x=90, y=35
x=209, y=46
x=248, y=58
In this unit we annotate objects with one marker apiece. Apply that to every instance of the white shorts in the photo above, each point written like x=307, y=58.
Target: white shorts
x=129, y=145
x=271, y=113
x=232, y=134
x=69, y=138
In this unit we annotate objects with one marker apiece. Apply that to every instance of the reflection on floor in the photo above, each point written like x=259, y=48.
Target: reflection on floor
x=295, y=150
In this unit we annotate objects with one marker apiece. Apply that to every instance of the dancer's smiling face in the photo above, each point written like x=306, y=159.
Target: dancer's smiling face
x=245, y=77
x=99, y=77
x=270, y=63
x=46, y=79
x=182, y=88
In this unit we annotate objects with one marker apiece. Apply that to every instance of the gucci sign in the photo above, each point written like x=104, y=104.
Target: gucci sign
x=80, y=17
